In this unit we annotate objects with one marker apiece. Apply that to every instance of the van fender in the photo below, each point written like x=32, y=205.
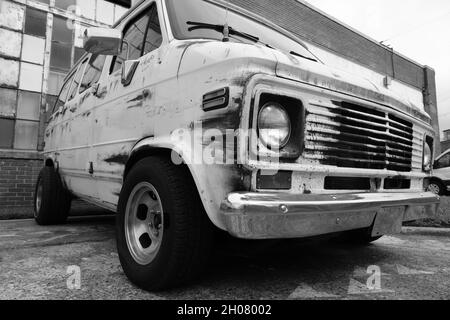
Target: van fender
x=180, y=153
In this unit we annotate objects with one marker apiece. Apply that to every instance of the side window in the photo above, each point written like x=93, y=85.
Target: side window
x=140, y=37
x=93, y=72
x=444, y=162
x=76, y=81
x=153, y=38
x=133, y=41
x=62, y=98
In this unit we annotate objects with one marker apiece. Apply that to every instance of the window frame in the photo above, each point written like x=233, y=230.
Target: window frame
x=445, y=157
x=86, y=69
x=145, y=11
x=82, y=64
x=68, y=81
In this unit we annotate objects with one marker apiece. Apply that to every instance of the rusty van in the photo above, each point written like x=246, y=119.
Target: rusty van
x=189, y=117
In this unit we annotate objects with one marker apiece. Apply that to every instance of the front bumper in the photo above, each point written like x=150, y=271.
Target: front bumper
x=278, y=215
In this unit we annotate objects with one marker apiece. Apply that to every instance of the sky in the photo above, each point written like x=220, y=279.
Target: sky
x=418, y=29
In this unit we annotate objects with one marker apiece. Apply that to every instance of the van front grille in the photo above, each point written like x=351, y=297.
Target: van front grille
x=348, y=135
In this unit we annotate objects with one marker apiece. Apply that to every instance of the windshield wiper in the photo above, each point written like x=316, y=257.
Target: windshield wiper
x=224, y=29
x=302, y=56
x=227, y=30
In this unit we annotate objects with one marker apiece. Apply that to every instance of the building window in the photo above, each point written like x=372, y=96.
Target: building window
x=62, y=44
x=33, y=49
x=65, y=4
x=87, y=8
x=60, y=58
x=26, y=135
x=31, y=77
x=6, y=133
x=55, y=82
x=29, y=106
x=79, y=52
x=35, y=22
x=61, y=31
x=8, y=102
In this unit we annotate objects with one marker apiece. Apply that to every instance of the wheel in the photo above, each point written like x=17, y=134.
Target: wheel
x=436, y=187
x=359, y=237
x=164, y=236
x=51, y=201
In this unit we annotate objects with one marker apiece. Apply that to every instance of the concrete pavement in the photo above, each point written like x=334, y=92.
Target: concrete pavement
x=79, y=261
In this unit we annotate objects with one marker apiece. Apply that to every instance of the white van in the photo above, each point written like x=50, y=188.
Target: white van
x=184, y=125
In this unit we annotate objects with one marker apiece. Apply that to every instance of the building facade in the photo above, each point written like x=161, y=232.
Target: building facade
x=39, y=42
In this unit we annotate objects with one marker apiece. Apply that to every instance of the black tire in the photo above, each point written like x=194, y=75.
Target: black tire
x=437, y=187
x=358, y=237
x=55, y=201
x=187, y=232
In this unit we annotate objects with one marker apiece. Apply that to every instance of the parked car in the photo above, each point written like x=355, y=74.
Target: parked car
x=440, y=182
x=185, y=127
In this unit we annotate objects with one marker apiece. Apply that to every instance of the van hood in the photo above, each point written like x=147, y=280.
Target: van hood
x=323, y=76
x=230, y=57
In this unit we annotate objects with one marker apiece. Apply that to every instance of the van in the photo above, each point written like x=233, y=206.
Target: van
x=194, y=116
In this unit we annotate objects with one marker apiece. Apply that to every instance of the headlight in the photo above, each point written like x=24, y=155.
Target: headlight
x=274, y=126
x=427, y=156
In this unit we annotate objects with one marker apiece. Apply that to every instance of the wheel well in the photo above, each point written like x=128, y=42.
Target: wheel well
x=434, y=179
x=149, y=152
x=145, y=153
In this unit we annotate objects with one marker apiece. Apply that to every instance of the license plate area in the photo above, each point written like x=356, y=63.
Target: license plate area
x=388, y=221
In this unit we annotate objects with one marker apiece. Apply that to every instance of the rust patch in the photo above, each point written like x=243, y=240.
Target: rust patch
x=238, y=101
x=138, y=98
x=225, y=121
x=117, y=159
x=116, y=193
x=242, y=80
x=83, y=98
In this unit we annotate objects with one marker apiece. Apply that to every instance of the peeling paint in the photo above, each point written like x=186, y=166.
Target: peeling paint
x=117, y=159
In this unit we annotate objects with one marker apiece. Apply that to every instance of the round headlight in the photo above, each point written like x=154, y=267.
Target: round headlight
x=274, y=126
x=427, y=156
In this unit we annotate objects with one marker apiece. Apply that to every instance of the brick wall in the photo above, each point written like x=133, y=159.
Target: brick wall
x=17, y=182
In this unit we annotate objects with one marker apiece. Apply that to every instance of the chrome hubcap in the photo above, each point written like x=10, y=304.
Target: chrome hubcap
x=38, y=198
x=434, y=188
x=144, y=223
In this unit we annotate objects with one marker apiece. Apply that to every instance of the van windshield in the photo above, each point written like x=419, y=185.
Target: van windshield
x=181, y=12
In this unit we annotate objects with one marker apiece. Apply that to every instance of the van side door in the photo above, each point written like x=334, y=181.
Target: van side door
x=74, y=131
x=123, y=117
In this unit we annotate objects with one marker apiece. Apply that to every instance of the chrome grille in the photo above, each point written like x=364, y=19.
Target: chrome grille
x=348, y=135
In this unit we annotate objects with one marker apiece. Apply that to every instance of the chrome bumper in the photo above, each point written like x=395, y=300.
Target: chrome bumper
x=277, y=215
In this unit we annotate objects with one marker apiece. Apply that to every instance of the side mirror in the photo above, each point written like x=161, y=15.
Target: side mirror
x=128, y=69
x=104, y=41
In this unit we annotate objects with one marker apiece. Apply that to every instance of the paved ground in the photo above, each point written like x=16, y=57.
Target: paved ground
x=42, y=263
